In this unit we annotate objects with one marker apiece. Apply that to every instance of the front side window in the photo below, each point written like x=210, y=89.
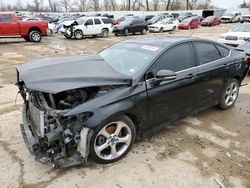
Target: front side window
x=206, y=52
x=5, y=18
x=177, y=59
x=89, y=22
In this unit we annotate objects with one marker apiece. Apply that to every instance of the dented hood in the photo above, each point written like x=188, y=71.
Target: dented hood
x=53, y=75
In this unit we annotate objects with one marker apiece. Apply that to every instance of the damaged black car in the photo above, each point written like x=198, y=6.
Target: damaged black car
x=96, y=106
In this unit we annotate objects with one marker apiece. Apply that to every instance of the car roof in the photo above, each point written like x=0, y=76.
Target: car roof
x=160, y=41
x=166, y=42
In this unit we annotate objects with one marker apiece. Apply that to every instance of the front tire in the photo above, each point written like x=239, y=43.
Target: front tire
x=229, y=94
x=78, y=34
x=113, y=140
x=35, y=36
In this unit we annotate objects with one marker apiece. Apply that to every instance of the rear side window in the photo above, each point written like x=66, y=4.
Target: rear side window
x=89, y=22
x=177, y=59
x=5, y=18
x=97, y=21
x=206, y=52
x=106, y=20
x=223, y=51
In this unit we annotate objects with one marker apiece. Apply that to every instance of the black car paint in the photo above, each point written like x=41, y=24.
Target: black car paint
x=54, y=75
x=136, y=25
x=151, y=104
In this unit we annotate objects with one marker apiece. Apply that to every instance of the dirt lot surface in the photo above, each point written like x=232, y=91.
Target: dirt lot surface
x=198, y=151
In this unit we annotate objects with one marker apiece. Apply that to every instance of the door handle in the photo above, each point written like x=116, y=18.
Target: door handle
x=191, y=75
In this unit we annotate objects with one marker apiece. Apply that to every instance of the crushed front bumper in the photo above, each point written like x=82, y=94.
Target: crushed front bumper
x=51, y=155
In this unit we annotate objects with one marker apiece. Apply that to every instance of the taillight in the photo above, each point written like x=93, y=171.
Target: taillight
x=246, y=60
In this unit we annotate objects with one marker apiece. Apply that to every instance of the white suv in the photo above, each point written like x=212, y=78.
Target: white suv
x=87, y=26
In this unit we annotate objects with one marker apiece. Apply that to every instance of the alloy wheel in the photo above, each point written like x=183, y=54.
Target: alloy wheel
x=113, y=140
x=231, y=94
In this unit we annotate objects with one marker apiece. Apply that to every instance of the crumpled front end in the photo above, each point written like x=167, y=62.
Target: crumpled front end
x=53, y=138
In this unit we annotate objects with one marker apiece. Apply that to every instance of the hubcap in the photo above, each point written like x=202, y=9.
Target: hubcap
x=231, y=93
x=78, y=35
x=36, y=37
x=112, y=140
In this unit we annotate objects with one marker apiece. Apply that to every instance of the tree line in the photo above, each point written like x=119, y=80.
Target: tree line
x=105, y=5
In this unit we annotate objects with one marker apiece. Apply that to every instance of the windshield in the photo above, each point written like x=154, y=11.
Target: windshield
x=127, y=21
x=80, y=21
x=209, y=18
x=242, y=28
x=188, y=20
x=163, y=21
x=129, y=58
x=228, y=14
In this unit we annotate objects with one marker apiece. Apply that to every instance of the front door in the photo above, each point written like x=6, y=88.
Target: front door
x=8, y=26
x=171, y=100
x=89, y=28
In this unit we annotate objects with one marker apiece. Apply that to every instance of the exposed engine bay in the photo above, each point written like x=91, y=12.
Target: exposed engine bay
x=54, y=138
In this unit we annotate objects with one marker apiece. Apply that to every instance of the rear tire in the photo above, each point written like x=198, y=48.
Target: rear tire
x=126, y=32
x=161, y=30
x=113, y=140
x=229, y=94
x=144, y=31
x=35, y=36
x=49, y=33
x=105, y=33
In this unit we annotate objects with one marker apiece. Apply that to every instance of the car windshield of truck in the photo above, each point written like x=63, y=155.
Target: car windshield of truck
x=242, y=28
x=80, y=21
x=129, y=58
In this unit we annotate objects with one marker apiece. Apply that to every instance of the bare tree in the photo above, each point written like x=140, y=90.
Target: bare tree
x=53, y=5
x=96, y=5
x=36, y=5
x=2, y=6
x=19, y=5
x=66, y=4
x=156, y=5
x=147, y=5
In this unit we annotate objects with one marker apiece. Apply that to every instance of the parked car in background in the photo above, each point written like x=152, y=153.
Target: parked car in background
x=11, y=26
x=133, y=25
x=232, y=17
x=146, y=17
x=96, y=106
x=246, y=18
x=51, y=26
x=237, y=35
x=210, y=21
x=88, y=26
x=184, y=15
x=167, y=24
x=189, y=23
x=158, y=18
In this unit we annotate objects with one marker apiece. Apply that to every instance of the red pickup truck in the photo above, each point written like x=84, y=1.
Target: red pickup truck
x=12, y=26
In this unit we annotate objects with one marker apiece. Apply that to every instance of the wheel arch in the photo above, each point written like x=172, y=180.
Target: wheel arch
x=34, y=29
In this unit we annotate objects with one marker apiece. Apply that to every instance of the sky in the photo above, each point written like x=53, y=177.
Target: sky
x=218, y=3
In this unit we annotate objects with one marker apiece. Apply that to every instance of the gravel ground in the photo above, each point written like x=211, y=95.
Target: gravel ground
x=193, y=152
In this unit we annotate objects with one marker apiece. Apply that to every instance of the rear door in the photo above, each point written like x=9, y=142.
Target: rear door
x=171, y=100
x=8, y=26
x=213, y=70
x=98, y=26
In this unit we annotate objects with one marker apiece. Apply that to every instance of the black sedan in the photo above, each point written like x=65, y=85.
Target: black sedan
x=96, y=106
x=131, y=25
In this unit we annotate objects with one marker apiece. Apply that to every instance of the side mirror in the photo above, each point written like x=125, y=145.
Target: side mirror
x=163, y=75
